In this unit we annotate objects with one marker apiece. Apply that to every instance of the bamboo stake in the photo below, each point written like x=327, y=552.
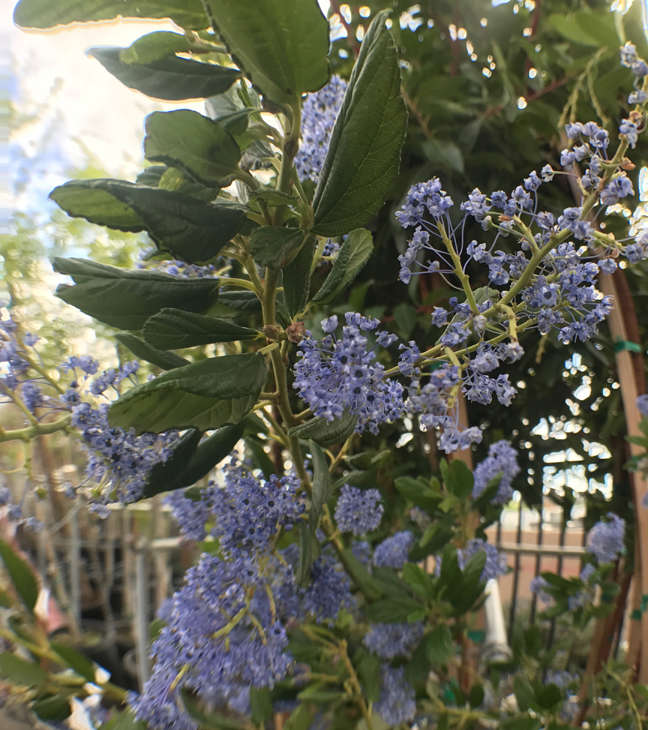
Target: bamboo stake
x=629, y=392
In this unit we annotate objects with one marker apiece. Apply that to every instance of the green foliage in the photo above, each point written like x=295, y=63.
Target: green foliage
x=281, y=44
x=168, y=77
x=201, y=147
x=43, y=14
x=179, y=224
x=126, y=299
x=22, y=577
x=364, y=151
x=202, y=395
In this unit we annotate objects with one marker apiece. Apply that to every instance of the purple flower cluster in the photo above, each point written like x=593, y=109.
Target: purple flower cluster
x=605, y=539
x=338, y=374
x=224, y=633
x=495, y=562
x=249, y=512
x=119, y=460
x=192, y=510
x=319, y=113
x=392, y=640
x=501, y=462
x=435, y=404
x=393, y=551
x=358, y=510
x=397, y=703
x=642, y=404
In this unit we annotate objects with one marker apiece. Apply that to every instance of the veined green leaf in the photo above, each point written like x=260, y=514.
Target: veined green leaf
x=326, y=432
x=144, y=351
x=204, y=395
x=126, y=299
x=296, y=278
x=192, y=142
x=46, y=13
x=275, y=247
x=281, y=44
x=190, y=229
x=191, y=460
x=21, y=575
x=171, y=329
x=171, y=77
x=364, y=152
x=352, y=256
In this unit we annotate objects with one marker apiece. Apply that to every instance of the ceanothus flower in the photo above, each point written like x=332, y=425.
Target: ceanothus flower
x=319, y=113
x=392, y=640
x=358, y=510
x=393, y=551
x=338, y=374
x=397, y=703
x=642, y=404
x=495, y=564
x=500, y=462
x=605, y=539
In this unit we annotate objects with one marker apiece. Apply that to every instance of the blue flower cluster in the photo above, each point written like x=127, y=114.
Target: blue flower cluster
x=224, y=634
x=338, y=374
x=605, y=539
x=227, y=627
x=397, y=703
x=250, y=512
x=393, y=551
x=319, y=113
x=501, y=463
x=495, y=561
x=358, y=510
x=392, y=640
x=192, y=509
x=119, y=460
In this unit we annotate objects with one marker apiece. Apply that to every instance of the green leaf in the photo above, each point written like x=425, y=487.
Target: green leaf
x=74, y=659
x=418, y=492
x=204, y=395
x=21, y=575
x=405, y=318
x=154, y=46
x=126, y=299
x=123, y=721
x=210, y=452
x=308, y=547
x=326, y=432
x=300, y=718
x=586, y=27
x=52, y=709
x=196, y=144
x=392, y=610
x=260, y=704
x=459, y=479
x=439, y=646
x=476, y=696
x=144, y=351
x=352, y=256
x=171, y=78
x=368, y=666
x=275, y=247
x=524, y=693
x=46, y=14
x=171, y=329
x=418, y=580
x=20, y=671
x=364, y=152
x=281, y=44
x=296, y=278
x=321, y=484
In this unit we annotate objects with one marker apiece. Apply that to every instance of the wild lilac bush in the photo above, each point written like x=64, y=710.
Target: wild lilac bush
x=309, y=597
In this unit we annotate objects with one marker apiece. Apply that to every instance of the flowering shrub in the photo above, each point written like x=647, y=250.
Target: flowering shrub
x=310, y=596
